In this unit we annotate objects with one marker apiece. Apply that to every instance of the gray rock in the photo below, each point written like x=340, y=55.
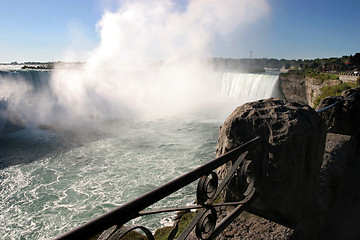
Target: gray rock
x=288, y=158
x=339, y=153
x=344, y=118
x=293, y=88
x=249, y=226
x=304, y=90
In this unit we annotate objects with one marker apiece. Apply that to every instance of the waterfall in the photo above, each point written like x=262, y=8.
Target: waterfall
x=31, y=96
x=3, y=114
x=249, y=86
x=35, y=78
x=24, y=95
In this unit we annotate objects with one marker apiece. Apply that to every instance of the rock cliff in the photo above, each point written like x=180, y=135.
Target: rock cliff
x=302, y=89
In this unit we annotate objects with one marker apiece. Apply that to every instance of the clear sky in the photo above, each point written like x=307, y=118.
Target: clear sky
x=53, y=30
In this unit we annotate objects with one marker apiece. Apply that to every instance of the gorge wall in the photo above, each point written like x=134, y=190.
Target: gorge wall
x=303, y=90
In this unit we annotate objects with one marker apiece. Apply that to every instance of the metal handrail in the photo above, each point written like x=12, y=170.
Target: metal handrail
x=328, y=116
x=133, y=209
x=328, y=107
x=334, y=104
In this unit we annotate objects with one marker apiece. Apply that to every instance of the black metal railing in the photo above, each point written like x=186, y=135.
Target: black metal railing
x=205, y=221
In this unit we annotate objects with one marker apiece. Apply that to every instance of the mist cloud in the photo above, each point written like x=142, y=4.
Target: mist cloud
x=151, y=61
x=157, y=30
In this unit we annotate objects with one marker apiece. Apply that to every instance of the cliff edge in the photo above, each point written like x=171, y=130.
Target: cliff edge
x=302, y=89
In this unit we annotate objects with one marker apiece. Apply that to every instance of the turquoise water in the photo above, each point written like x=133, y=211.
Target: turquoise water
x=68, y=179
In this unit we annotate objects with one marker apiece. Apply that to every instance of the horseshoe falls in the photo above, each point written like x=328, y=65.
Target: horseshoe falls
x=61, y=172
x=250, y=86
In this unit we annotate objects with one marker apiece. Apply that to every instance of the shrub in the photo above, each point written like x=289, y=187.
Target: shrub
x=336, y=90
x=321, y=76
x=312, y=74
x=185, y=218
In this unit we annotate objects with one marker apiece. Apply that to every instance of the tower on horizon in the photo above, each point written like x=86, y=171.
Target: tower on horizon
x=250, y=54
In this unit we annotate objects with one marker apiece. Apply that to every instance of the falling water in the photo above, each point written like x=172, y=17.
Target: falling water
x=249, y=86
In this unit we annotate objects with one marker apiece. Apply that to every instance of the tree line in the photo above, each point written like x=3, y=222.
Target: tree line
x=334, y=64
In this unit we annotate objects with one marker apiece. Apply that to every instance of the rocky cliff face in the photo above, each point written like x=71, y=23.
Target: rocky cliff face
x=293, y=88
x=302, y=90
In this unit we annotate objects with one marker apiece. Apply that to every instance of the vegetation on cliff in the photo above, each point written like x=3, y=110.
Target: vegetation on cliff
x=322, y=77
x=336, y=90
x=184, y=218
x=319, y=78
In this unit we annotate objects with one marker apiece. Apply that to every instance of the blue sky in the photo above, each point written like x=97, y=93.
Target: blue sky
x=50, y=30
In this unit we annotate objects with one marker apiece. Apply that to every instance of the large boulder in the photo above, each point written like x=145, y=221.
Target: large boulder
x=288, y=159
x=340, y=153
x=343, y=118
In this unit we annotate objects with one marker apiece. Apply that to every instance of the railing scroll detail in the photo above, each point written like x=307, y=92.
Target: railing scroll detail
x=204, y=223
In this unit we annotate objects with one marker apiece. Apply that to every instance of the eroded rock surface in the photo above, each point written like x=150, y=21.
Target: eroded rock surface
x=289, y=156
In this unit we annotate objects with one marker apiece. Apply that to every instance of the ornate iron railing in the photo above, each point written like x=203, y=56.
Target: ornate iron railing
x=205, y=221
